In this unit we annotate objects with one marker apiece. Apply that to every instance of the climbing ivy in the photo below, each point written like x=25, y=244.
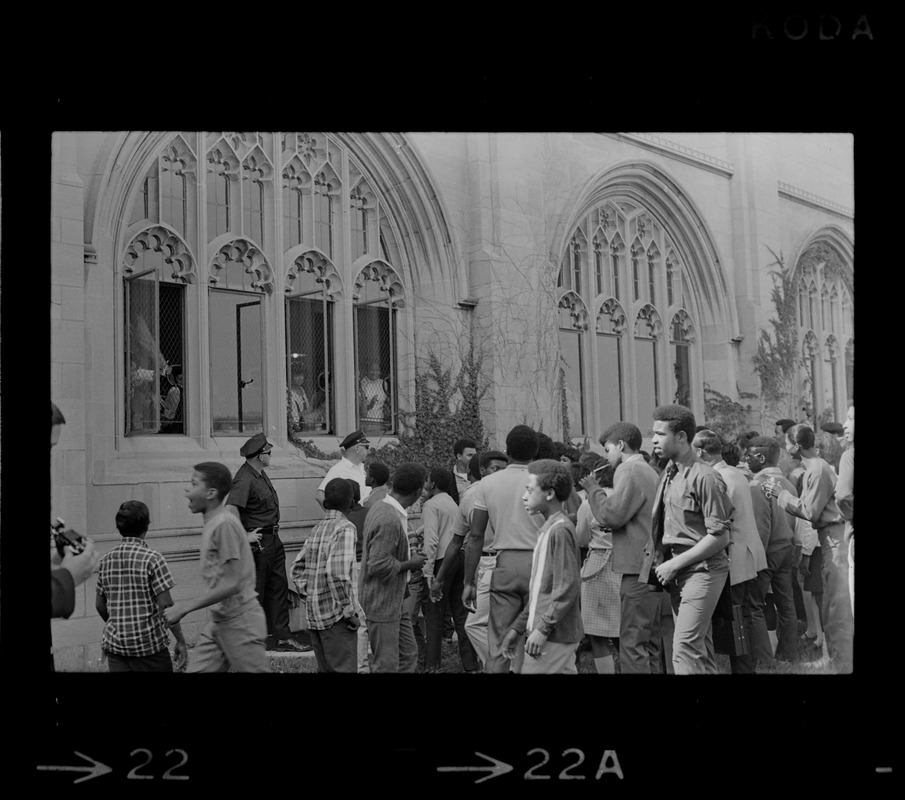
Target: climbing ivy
x=723, y=415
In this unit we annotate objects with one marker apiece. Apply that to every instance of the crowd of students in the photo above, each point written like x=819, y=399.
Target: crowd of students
x=526, y=554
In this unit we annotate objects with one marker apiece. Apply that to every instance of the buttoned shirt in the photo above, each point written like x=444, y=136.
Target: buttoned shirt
x=462, y=482
x=816, y=502
x=130, y=577
x=322, y=571
x=695, y=503
x=253, y=494
x=346, y=469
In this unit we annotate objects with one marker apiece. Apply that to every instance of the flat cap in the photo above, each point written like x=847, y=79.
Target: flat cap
x=832, y=427
x=354, y=438
x=254, y=445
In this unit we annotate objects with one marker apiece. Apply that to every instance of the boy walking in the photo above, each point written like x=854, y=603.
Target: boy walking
x=133, y=589
x=235, y=635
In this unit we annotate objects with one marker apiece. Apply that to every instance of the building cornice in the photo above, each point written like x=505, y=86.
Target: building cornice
x=679, y=152
x=814, y=201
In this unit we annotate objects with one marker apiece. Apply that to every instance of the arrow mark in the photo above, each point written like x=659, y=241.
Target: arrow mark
x=95, y=770
x=497, y=768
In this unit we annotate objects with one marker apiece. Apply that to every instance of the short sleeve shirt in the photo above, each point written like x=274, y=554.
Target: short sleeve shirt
x=130, y=577
x=253, y=494
x=223, y=540
x=500, y=495
x=346, y=469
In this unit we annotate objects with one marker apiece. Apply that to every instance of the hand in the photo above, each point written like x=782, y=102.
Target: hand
x=588, y=482
x=507, y=646
x=254, y=537
x=82, y=565
x=181, y=659
x=666, y=571
x=436, y=591
x=804, y=566
x=353, y=622
x=770, y=488
x=535, y=643
x=175, y=613
x=418, y=560
x=469, y=596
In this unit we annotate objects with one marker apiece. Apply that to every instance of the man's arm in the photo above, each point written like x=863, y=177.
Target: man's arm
x=164, y=601
x=562, y=559
x=815, y=494
x=298, y=573
x=339, y=568
x=430, y=518
x=845, y=486
x=319, y=496
x=100, y=603
x=616, y=508
x=450, y=562
x=473, y=547
x=230, y=584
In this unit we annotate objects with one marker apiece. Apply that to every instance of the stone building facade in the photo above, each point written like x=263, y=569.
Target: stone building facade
x=297, y=280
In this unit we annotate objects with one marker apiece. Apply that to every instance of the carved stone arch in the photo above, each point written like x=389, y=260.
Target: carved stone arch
x=645, y=184
x=682, y=322
x=826, y=243
x=326, y=176
x=649, y=317
x=256, y=160
x=611, y=314
x=578, y=312
x=239, y=142
x=617, y=244
x=295, y=174
x=163, y=240
x=250, y=259
x=317, y=264
x=388, y=281
x=179, y=157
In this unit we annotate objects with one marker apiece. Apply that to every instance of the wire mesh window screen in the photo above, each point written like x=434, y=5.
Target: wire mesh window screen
x=237, y=363
x=572, y=378
x=155, y=355
x=376, y=368
x=309, y=355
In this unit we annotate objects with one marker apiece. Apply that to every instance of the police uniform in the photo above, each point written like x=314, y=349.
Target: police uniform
x=253, y=495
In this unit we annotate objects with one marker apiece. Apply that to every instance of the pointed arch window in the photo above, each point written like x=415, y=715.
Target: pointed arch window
x=311, y=283
x=831, y=391
x=616, y=249
x=681, y=336
x=222, y=171
x=256, y=172
x=326, y=191
x=803, y=317
x=850, y=371
x=598, y=264
x=809, y=350
x=653, y=255
x=670, y=279
x=637, y=250
x=156, y=268
x=573, y=322
x=297, y=205
x=378, y=293
x=648, y=329
x=610, y=369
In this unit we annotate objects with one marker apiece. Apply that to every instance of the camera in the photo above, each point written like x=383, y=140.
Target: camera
x=66, y=537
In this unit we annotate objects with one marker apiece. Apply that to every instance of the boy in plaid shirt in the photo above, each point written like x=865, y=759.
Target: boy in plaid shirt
x=322, y=573
x=133, y=589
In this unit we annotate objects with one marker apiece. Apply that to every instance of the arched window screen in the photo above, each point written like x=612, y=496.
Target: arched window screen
x=647, y=384
x=681, y=335
x=610, y=358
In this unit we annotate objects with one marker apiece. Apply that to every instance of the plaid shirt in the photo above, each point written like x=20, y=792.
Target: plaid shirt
x=131, y=576
x=322, y=571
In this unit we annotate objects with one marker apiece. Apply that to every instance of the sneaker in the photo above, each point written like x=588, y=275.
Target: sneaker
x=292, y=646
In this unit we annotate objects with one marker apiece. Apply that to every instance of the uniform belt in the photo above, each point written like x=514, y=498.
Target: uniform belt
x=268, y=530
x=488, y=553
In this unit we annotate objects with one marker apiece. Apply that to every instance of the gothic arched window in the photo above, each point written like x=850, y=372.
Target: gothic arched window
x=648, y=329
x=610, y=361
x=573, y=322
x=680, y=338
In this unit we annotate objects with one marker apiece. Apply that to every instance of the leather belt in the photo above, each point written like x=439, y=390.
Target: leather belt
x=487, y=553
x=268, y=530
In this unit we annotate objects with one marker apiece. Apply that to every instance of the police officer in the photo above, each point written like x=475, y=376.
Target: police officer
x=254, y=500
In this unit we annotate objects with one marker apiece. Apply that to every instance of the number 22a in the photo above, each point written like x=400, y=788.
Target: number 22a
x=167, y=776
x=608, y=763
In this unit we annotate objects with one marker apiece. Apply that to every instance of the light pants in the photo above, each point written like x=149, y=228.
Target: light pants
x=364, y=665
x=851, y=575
x=236, y=644
x=476, y=623
x=695, y=593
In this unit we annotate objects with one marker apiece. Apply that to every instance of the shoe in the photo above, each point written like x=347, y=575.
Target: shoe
x=292, y=646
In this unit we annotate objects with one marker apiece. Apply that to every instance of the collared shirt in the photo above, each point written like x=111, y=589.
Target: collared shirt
x=442, y=520
x=500, y=495
x=130, y=577
x=466, y=511
x=376, y=495
x=346, y=469
x=462, y=482
x=322, y=571
x=845, y=490
x=253, y=494
x=746, y=551
x=223, y=540
x=816, y=502
x=695, y=503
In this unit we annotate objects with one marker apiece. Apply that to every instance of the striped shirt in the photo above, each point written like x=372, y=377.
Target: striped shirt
x=322, y=571
x=130, y=577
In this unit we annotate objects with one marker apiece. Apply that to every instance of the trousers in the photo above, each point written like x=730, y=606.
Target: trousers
x=695, y=593
x=838, y=622
x=639, y=627
x=272, y=585
x=435, y=615
x=235, y=644
x=509, y=591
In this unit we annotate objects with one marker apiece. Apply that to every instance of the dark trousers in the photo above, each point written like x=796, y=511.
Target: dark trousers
x=436, y=613
x=838, y=622
x=777, y=578
x=159, y=662
x=272, y=585
x=335, y=648
x=749, y=595
x=393, y=646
